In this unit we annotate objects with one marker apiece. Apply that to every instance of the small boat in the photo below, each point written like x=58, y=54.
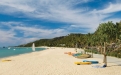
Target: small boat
x=9, y=48
x=3, y=47
x=33, y=47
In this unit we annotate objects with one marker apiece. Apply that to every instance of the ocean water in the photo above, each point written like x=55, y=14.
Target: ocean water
x=12, y=51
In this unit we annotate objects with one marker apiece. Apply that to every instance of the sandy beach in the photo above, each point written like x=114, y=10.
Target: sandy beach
x=53, y=61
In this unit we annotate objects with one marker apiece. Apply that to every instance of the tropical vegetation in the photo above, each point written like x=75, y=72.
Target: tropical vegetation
x=105, y=40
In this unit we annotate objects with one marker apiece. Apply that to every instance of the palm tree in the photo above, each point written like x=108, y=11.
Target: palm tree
x=118, y=30
x=106, y=32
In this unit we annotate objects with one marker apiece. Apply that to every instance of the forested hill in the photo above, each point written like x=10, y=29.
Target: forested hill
x=69, y=41
x=106, y=32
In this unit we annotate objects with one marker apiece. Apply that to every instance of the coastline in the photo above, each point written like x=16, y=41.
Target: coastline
x=15, y=51
x=53, y=61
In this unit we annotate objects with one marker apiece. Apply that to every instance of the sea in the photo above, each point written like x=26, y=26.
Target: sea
x=12, y=51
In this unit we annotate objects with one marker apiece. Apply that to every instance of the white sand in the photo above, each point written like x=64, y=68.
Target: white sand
x=53, y=61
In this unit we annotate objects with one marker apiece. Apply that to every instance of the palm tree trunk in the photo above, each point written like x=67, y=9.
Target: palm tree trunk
x=105, y=56
x=105, y=59
x=104, y=53
x=92, y=53
x=101, y=50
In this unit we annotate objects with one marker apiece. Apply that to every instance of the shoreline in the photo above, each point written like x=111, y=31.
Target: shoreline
x=17, y=48
x=53, y=61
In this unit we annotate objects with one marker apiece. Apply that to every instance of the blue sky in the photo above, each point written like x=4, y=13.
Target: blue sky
x=23, y=21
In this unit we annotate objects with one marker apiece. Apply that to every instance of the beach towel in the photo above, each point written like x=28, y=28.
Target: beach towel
x=99, y=66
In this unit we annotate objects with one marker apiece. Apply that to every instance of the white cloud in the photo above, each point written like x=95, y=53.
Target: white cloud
x=5, y=35
x=40, y=32
x=15, y=5
x=9, y=37
x=53, y=10
x=111, y=8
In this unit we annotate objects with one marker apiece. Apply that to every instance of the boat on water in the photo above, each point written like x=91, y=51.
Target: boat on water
x=9, y=48
x=33, y=47
x=3, y=47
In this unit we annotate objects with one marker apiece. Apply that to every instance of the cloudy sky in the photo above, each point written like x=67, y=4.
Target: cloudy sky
x=23, y=21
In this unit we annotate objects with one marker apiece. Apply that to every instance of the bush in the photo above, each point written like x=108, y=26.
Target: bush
x=119, y=55
x=111, y=54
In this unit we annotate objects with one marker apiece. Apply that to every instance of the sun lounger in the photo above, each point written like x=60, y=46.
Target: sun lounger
x=5, y=60
x=82, y=63
x=92, y=61
x=83, y=56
